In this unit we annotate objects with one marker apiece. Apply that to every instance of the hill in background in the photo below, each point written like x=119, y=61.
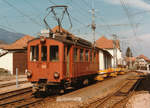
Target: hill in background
x=9, y=37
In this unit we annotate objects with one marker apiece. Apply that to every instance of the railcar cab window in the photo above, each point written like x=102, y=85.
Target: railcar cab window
x=87, y=55
x=34, y=53
x=81, y=54
x=54, y=53
x=75, y=53
x=44, y=53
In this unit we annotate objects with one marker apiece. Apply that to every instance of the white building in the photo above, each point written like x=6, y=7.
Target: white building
x=108, y=45
x=14, y=56
x=104, y=60
x=143, y=62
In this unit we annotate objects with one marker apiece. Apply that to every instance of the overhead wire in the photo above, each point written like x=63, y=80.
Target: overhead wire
x=19, y=11
x=128, y=16
x=74, y=18
x=88, y=6
x=123, y=2
x=33, y=7
x=8, y=28
x=80, y=10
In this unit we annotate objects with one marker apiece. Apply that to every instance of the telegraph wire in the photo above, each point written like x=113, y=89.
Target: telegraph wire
x=89, y=6
x=74, y=18
x=33, y=7
x=79, y=9
x=52, y=2
x=19, y=11
x=8, y=28
x=128, y=16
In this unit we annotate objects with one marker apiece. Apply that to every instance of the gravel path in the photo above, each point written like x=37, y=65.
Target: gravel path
x=84, y=96
x=141, y=99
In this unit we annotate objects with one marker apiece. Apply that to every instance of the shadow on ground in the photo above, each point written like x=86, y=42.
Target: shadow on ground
x=145, y=84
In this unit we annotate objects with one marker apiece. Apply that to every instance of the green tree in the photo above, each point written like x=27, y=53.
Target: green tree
x=128, y=52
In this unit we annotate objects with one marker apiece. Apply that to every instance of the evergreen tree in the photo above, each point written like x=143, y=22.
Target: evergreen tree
x=128, y=52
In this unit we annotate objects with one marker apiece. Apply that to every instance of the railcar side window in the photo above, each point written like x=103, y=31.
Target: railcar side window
x=34, y=53
x=75, y=53
x=87, y=55
x=64, y=53
x=81, y=54
x=44, y=53
x=54, y=53
x=94, y=56
x=90, y=56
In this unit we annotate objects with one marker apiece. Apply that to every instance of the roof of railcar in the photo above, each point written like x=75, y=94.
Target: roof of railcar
x=68, y=38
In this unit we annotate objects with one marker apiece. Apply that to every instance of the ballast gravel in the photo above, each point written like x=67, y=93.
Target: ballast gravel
x=141, y=100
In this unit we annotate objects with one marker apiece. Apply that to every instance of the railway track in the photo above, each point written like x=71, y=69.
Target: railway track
x=13, y=83
x=26, y=101
x=11, y=94
x=21, y=98
x=117, y=99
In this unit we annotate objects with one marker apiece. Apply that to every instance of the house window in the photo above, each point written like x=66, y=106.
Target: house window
x=44, y=53
x=54, y=55
x=75, y=53
x=87, y=55
x=81, y=54
x=34, y=53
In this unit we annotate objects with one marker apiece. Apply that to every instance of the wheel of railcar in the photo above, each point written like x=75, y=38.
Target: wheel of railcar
x=86, y=82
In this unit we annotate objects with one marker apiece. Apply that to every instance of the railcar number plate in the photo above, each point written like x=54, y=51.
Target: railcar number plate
x=44, y=66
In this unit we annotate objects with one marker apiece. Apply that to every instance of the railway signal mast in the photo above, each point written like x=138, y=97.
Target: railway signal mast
x=115, y=50
x=93, y=25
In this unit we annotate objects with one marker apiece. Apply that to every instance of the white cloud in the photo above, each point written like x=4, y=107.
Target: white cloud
x=132, y=3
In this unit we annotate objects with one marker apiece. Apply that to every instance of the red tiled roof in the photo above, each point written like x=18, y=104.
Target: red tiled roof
x=144, y=57
x=103, y=42
x=128, y=59
x=2, y=45
x=19, y=44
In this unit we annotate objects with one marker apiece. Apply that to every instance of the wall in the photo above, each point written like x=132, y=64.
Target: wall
x=119, y=56
x=20, y=62
x=2, y=51
x=6, y=62
x=104, y=60
x=101, y=60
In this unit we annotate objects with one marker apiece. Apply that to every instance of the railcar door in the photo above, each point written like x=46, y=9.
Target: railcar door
x=68, y=62
x=43, y=59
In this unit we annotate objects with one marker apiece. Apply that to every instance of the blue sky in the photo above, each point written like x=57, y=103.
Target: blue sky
x=26, y=16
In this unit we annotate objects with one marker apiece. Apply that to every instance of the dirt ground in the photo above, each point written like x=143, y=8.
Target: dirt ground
x=141, y=99
x=88, y=94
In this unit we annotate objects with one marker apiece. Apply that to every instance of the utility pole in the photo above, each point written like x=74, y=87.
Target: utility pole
x=93, y=25
x=115, y=50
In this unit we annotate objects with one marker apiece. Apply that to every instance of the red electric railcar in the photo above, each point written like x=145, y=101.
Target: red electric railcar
x=60, y=61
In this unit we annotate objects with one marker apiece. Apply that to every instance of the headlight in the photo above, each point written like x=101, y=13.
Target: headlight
x=56, y=75
x=28, y=73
